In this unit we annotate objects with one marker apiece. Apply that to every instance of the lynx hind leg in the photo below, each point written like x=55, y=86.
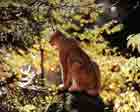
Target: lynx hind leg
x=93, y=92
x=74, y=86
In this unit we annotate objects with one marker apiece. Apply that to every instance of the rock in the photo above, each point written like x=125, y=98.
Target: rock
x=78, y=102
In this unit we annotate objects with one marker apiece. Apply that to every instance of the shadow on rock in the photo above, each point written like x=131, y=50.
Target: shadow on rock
x=78, y=102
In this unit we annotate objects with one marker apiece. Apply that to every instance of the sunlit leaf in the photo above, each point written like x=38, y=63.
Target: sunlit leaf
x=134, y=41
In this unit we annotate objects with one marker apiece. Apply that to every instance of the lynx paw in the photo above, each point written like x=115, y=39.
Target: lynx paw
x=74, y=88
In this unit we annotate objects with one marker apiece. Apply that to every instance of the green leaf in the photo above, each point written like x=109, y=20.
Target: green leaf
x=134, y=42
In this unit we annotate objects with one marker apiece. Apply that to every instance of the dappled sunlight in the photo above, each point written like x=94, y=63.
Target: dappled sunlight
x=31, y=74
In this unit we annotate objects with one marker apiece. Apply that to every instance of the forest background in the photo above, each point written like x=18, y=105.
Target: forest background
x=108, y=31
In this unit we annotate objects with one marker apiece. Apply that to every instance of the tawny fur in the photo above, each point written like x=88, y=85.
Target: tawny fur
x=80, y=73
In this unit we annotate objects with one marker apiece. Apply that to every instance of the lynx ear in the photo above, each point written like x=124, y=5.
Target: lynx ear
x=56, y=37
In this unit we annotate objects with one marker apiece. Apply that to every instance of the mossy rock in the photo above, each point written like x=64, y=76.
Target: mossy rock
x=78, y=102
